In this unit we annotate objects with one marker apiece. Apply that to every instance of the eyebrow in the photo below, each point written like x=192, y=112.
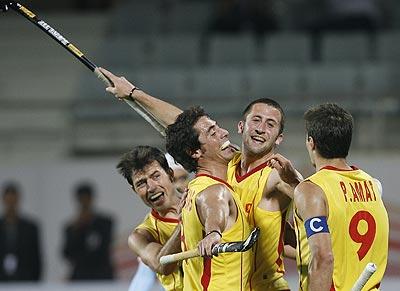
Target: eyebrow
x=268, y=119
x=211, y=128
x=139, y=181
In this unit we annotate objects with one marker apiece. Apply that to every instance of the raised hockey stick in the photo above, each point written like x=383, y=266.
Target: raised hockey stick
x=60, y=39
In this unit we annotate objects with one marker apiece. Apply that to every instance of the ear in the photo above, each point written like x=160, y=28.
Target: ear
x=170, y=173
x=196, y=154
x=240, y=126
x=279, y=139
x=310, y=142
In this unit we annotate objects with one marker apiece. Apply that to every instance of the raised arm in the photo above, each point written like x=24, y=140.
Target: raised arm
x=145, y=246
x=165, y=112
x=213, y=207
x=311, y=205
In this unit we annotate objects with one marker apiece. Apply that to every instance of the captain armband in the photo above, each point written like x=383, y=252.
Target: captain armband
x=316, y=225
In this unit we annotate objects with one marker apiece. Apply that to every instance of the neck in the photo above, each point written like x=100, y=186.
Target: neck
x=250, y=161
x=10, y=217
x=212, y=168
x=339, y=163
x=173, y=210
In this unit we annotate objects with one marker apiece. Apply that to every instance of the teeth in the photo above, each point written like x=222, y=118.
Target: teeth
x=225, y=145
x=155, y=196
x=259, y=139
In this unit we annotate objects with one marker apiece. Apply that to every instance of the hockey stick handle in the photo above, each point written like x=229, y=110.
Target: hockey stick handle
x=168, y=259
x=369, y=270
x=54, y=34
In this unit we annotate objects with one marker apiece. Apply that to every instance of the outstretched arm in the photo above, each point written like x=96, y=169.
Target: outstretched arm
x=311, y=206
x=144, y=245
x=165, y=112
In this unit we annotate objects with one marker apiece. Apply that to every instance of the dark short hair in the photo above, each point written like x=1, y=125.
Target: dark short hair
x=331, y=128
x=269, y=102
x=182, y=139
x=11, y=187
x=138, y=158
x=84, y=189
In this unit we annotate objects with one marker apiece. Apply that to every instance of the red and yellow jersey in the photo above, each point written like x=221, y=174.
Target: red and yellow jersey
x=358, y=225
x=268, y=268
x=227, y=271
x=161, y=229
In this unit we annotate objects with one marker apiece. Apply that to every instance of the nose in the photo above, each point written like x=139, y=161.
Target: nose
x=224, y=133
x=260, y=128
x=151, y=186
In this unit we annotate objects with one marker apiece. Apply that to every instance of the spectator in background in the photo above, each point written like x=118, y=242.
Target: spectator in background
x=87, y=239
x=20, y=255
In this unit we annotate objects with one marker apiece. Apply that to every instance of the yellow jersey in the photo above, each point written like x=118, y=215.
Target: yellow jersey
x=358, y=225
x=227, y=271
x=161, y=229
x=268, y=268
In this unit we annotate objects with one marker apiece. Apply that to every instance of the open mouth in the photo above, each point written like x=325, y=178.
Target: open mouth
x=155, y=197
x=258, y=139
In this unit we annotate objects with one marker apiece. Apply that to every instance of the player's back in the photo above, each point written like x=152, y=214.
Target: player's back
x=358, y=225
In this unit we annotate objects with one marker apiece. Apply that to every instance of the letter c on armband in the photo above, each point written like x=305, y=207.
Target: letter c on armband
x=315, y=225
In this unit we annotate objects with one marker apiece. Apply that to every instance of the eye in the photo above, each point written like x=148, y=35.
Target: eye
x=140, y=184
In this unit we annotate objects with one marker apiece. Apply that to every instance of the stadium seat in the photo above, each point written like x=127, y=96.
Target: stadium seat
x=175, y=51
x=232, y=50
x=137, y=18
x=288, y=48
x=125, y=52
x=333, y=83
x=189, y=17
x=380, y=80
x=219, y=90
x=345, y=48
x=281, y=82
x=388, y=47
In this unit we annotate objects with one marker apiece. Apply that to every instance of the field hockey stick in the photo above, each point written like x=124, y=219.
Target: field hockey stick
x=369, y=270
x=60, y=39
x=229, y=247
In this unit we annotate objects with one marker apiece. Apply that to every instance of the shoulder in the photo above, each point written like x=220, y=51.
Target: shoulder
x=217, y=191
x=140, y=233
x=307, y=189
x=308, y=196
x=378, y=185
